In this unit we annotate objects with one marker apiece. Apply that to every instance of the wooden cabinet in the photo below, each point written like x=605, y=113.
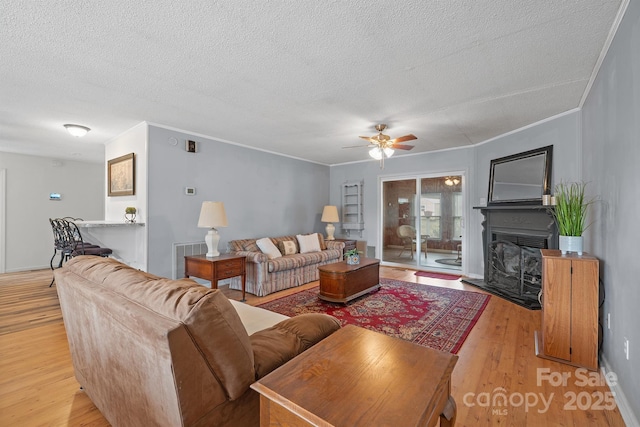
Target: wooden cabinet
x=570, y=289
x=352, y=215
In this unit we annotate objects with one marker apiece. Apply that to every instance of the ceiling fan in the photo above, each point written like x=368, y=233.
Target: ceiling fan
x=382, y=145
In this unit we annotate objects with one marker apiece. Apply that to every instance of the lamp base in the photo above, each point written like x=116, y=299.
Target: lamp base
x=211, y=239
x=330, y=229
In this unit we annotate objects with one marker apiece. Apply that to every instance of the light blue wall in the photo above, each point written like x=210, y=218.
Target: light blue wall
x=611, y=153
x=562, y=132
x=264, y=194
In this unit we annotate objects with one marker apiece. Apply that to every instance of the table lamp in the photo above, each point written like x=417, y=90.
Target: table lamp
x=330, y=215
x=212, y=215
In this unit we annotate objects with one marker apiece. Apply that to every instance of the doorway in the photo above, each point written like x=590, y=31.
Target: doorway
x=423, y=221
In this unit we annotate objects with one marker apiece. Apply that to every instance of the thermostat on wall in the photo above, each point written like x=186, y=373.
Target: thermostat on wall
x=190, y=191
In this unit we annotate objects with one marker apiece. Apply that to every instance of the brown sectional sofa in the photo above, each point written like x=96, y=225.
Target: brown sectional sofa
x=265, y=276
x=150, y=351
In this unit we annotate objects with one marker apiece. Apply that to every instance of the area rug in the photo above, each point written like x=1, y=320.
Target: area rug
x=431, y=316
x=437, y=275
x=449, y=261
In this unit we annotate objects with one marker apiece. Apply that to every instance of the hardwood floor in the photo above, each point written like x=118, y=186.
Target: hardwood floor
x=496, y=380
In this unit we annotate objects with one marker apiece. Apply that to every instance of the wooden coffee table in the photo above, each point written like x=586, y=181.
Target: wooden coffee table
x=341, y=282
x=357, y=377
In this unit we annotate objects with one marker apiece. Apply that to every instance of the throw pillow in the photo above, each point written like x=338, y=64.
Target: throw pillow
x=287, y=247
x=323, y=245
x=268, y=248
x=308, y=243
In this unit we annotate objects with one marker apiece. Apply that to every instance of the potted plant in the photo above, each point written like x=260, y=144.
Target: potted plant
x=352, y=256
x=570, y=213
x=130, y=214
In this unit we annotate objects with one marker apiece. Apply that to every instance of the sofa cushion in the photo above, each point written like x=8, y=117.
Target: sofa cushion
x=250, y=246
x=277, y=345
x=267, y=247
x=308, y=243
x=286, y=262
x=287, y=247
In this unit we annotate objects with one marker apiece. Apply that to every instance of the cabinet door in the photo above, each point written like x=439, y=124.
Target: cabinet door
x=584, y=313
x=556, y=315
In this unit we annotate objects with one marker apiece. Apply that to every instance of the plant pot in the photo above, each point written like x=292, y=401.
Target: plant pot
x=570, y=244
x=353, y=259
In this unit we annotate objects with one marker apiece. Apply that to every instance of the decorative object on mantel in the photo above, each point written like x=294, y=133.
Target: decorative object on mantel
x=521, y=178
x=130, y=214
x=352, y=257
x=212, y=215
x=570, y=214
x=330, y=215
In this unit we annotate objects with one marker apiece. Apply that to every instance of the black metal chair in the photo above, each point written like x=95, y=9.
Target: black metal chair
x=68, y=240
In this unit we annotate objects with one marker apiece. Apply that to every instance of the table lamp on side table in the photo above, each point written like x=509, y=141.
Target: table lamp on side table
x=212, y=215
x=330, y=215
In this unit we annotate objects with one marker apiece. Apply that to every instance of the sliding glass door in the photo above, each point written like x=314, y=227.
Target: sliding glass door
x=422, y=221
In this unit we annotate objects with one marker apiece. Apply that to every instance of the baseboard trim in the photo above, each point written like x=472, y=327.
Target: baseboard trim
x=621, y=400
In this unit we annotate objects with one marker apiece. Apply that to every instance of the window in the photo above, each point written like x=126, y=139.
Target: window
x=430, y=215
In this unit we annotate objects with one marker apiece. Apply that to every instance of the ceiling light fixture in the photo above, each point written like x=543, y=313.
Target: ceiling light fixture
x=452, y=181
x=376, y=152
x=77, y=130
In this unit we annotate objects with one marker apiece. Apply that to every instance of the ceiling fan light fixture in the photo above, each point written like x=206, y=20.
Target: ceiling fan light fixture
x=378, y=152
x=452, y=181
x=77, y=130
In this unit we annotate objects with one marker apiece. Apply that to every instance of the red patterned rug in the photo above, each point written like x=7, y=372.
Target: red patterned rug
x=431, y=316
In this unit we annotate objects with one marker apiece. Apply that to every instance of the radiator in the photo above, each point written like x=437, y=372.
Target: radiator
x=180, y=250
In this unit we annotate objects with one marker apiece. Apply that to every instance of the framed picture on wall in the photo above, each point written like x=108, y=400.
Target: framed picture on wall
x=121, y=176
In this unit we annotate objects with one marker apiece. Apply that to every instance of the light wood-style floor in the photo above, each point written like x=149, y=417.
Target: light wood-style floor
x=37, y=386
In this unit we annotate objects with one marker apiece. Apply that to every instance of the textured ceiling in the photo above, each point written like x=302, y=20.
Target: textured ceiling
x=300, y=78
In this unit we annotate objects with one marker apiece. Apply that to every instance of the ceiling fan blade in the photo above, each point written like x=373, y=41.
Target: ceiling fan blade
x=402, y=147
x=368, y=138
x=356, y=146
x=405, y=138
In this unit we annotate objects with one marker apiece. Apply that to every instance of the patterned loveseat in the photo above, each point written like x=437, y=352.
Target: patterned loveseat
x=265, y=276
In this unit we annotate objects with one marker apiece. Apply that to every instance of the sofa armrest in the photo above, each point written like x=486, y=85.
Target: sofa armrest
x=282, y=342
x=255, y=257
x=332, y=244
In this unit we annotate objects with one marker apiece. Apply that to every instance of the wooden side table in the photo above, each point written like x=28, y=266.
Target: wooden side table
x=348, y=244
x=217, y=268
x=360, y=378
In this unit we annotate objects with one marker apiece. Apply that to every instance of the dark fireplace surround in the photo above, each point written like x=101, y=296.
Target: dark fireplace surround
x=512, y=237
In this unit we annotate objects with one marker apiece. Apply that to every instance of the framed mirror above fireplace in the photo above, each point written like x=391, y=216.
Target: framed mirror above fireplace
x=521, y=178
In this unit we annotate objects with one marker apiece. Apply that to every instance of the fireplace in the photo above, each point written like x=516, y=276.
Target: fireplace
x=512, y=238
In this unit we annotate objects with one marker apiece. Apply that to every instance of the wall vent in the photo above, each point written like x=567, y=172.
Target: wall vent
x=180, y=250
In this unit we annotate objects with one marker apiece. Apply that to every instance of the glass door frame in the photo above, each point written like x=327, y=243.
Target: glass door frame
x=415, y=263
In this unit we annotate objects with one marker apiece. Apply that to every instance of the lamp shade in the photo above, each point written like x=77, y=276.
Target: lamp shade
x=330, y=214
x=212, y=215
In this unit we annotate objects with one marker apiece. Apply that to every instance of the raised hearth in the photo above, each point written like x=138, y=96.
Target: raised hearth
x=512, y=237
